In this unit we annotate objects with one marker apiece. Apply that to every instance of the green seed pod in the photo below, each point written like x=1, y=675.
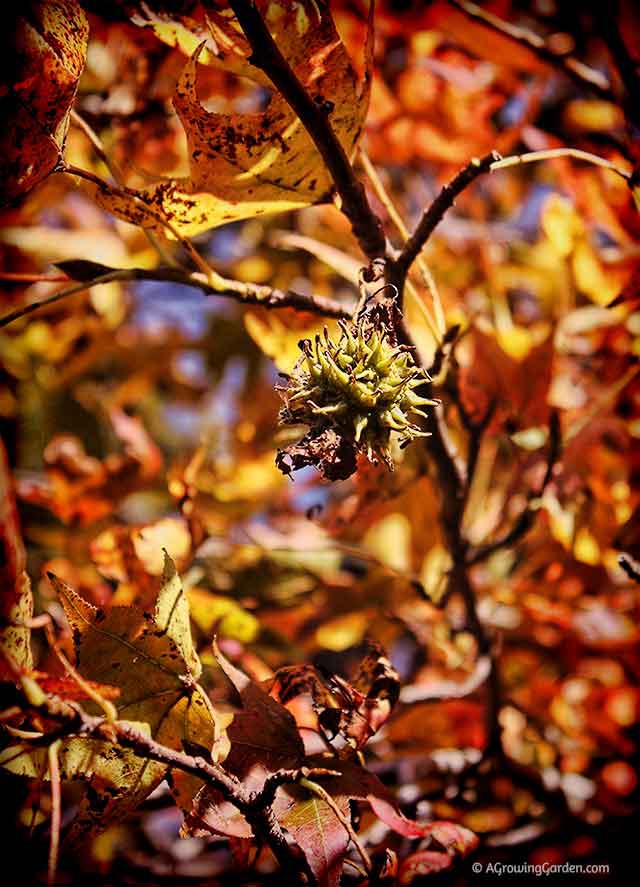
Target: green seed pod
x=361, y=387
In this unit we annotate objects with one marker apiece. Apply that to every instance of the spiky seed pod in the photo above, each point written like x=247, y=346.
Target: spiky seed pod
x=362, y=387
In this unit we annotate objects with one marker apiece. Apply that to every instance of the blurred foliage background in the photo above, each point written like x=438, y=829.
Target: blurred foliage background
x=143, y=415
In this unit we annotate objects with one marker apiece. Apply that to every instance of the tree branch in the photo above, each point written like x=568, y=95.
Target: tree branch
x=266, y=55
x=434, y=214
x=246, y=293
x=252, y=805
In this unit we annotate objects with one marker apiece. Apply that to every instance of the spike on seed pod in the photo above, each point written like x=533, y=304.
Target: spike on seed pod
x=361, y=388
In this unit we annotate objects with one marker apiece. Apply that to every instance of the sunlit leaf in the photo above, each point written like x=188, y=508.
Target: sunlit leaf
x=244, y=165
x=50, y=45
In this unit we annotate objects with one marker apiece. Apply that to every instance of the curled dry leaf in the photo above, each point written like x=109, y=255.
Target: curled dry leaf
x=245, y=165
x=355, y=710
x=47, y=43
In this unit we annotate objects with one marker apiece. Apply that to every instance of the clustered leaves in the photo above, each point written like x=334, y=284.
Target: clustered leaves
x=354, y=393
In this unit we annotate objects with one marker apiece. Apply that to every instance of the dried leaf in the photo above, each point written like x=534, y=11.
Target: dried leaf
x=244, y=165
x=48, y=46
x=152, y=661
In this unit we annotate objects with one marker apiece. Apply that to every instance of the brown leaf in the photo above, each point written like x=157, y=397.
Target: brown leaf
x=264, y=737
x=48, y=46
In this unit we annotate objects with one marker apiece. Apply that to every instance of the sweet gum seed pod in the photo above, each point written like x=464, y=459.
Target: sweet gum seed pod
x=361, y=388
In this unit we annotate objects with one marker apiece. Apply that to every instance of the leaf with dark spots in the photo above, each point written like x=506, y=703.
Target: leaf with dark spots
x=47, y=45
x=270, y=152
x=152, y=662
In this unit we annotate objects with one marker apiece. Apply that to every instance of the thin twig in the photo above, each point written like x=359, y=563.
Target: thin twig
x=577, y=70
x=27, y=277
x=266, y=55
x=160, y=218
x=249, y=294
x=434, y=214
x=552, y=154
x=385, y=199
x=115, y=171
x=56, y=810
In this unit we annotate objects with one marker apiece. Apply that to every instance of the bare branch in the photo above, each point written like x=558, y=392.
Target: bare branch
x=266, y=55
x=246, y=293
x=435, y=213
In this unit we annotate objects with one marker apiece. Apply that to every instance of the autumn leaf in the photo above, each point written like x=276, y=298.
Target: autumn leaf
x=16, y=599
x=244, y=165
x=151, y=659
x=318, y=832
x=79, y=488
x=49, y=47
x=263, y=739
x=356, y=710
x=263, y=736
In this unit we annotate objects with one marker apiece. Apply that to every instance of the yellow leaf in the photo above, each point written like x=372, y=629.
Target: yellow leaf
x=586, y=548
x=344, y=631
x=530, y=438
x=278, y=340
x=245, y=165
x=590, y=277
x=561, y=224
x=390, y=541
x=435, y=568
x=214, y=612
